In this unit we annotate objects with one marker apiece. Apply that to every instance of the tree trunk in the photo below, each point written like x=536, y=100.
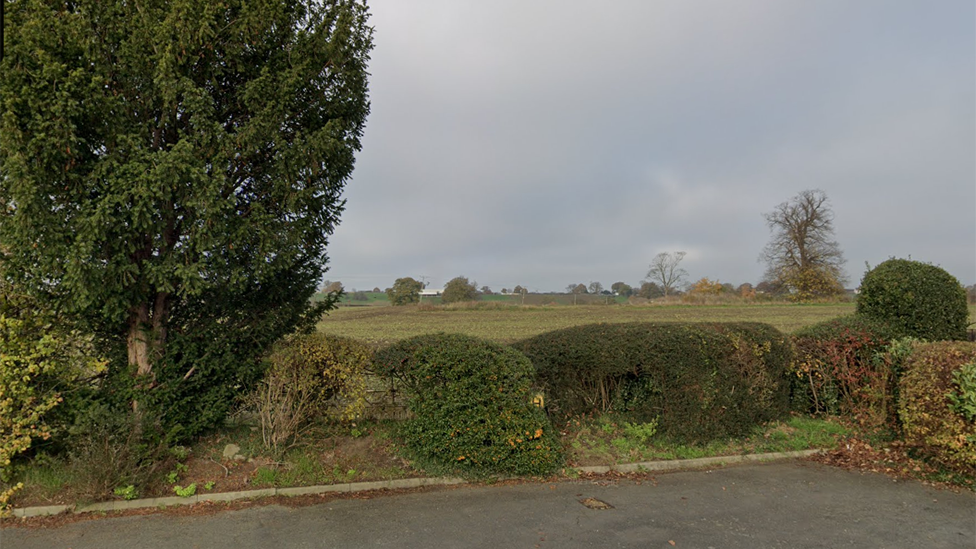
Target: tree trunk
x=137, y=341
x=147, y=333
x=145, y=340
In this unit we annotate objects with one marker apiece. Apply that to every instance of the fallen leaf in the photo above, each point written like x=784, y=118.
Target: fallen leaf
x=594, y=503
x=671, y=541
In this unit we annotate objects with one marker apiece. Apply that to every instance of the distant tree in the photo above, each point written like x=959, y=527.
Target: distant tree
x=486, y=290
x=376, y=290
x=621, y=288
x=576, y=290
x=704, y=286
x=728, y=288
x=650, y=290
x=404, y=291
x=359, y=296
x=596, y=288
x=459, y=289
x=331, y=287
x=802, y=254
x=521, y=291
x=770, y=288
x=746, y=290
x=665, y=270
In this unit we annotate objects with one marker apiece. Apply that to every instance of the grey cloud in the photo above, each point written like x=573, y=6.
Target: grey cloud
x=542, y=143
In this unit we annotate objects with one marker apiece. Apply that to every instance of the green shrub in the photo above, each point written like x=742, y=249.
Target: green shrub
x=840, y=369
x=40, y=360
x=698, y=381
x=472, y=408
x=930, y=391
x=962, y=399
x=916, y=299
x=306, y=372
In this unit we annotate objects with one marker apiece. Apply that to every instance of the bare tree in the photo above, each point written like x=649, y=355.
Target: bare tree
x=802, y=254
x=596, y=288
x=665, y=270
x=576, y=290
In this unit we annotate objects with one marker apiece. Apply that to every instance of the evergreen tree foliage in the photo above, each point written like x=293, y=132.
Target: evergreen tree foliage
x=170, y=171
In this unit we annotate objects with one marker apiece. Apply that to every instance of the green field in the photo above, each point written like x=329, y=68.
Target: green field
x=504, y=324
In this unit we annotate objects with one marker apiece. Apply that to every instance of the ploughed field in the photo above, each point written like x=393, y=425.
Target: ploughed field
x=505, y=324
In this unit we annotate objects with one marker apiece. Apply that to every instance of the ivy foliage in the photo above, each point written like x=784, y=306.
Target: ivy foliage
x=916, y=299
x=698, y=381
x=472, y=408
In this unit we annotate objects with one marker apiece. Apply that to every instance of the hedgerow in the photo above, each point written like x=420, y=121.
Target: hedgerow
x=471, y=401
x=698, y=381
x=936, y=405
x=840, y=368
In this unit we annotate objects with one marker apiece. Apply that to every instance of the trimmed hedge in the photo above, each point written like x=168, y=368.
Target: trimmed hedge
x=916, y=299
x=699, y=381
x=933, y=388
x=472, y=408
x=840, y=369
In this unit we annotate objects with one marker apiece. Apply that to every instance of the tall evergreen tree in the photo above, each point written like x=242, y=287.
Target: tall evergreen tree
x=172, y=169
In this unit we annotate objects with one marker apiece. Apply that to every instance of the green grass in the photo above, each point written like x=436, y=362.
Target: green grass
x=48, y=476
x=503, y=323
x=303, y=468
x=604, y=440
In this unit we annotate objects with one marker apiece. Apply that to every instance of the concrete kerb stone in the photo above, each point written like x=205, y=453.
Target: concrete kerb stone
x=40, y=511
x=670, y=465
x=698, y=463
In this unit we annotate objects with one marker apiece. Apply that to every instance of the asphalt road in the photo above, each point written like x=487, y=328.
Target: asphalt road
x=785, y=504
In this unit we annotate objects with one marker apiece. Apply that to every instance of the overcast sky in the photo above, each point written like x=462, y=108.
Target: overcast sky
x=549, y=142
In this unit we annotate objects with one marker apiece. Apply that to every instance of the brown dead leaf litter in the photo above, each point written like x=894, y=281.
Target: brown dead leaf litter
x=892, y=460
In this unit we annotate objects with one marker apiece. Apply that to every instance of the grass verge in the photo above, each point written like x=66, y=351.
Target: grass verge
x=611, y=440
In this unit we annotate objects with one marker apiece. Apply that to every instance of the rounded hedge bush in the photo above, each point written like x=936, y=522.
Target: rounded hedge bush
x=472, y=407
x=916, y=299
x=937, y=406
x=698, y=381
x=839, y=369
